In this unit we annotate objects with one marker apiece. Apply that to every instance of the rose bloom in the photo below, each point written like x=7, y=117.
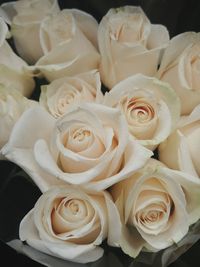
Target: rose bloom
x=157, y=205
x=12, y=67
x=181, y=149
x=151, y=108
x=67, y=50
x=62, y=94
x=88, y=146
x=129, y=44
x=25, y=17
x=69, y=223
x=12, y=105
x=180, y=67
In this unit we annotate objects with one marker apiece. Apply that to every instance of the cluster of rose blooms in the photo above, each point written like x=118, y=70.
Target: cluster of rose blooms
x=91, y=154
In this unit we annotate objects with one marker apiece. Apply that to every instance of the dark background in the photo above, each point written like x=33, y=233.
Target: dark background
x=178, y=16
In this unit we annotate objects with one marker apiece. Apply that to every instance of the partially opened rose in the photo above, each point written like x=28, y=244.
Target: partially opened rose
x=25, y=17
x=157, y=205
x=62, y=94
x=67, y=49
x=12, y=105
x=181, y=149
x=129, y=44
x=88, y=146
x=12, y=68
x=69, y=223
x=180, y=67
x=151, y=108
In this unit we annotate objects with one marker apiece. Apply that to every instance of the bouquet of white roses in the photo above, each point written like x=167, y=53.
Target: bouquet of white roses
x=112, y=141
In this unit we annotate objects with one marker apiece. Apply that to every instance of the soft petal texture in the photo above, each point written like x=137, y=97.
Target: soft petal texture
x=180, y=67
x=157, y=205
x=60, y=33
x=88, y=146
x=12, y=68
x=151, y=108
x=87, y=24
x=127, y=40
x=181, y=149
x=69, y=223
x=20, y=137
x=25, y=17
x=64, y=93
x=12, y=105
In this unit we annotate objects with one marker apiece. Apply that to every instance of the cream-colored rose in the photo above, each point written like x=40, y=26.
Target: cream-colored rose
x=67, y=49
x=62, y=94
x=181, y=149
x=25, y=17
x=157, y=205
x=129, y=44
x=151, y=108
x=88, y=146
x=12, y=67
x=180, y=67
x=12, y=105
x=69, y=223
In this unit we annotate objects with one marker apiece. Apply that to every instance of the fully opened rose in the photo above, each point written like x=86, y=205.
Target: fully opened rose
x=157, y=206
x=151, y=108
x=69, y=223
x=89, y=146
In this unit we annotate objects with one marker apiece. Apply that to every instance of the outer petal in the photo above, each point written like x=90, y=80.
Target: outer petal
x=114, y=223
x=13, y=73
x=135, y=158
x=7, y=11
x=67, y=251
x=23, y=45
x=175, y=48
x=3, y=31
x=191, y=187
x=20, y=146
x=178, y=151
x=58, y=63
x=172, y=69
x=87, y=24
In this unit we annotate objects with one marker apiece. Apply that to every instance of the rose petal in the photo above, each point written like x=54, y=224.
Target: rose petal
x=67, y=251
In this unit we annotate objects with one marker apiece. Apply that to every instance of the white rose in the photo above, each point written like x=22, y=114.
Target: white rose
x=129, y=44
x=157, y=205
x=25, y=17
x=12, y=105
x=12, y=67
x=181, y=149
x=67, y=50
x=69, y=223
x=151, y=108
x=180, y=67
x=88, y=146
x=64, y=93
